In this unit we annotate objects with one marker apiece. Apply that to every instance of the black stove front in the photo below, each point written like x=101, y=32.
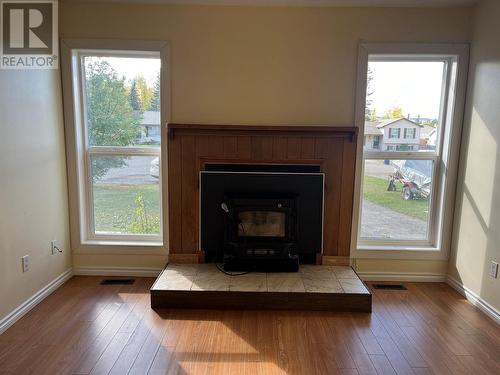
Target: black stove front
x=266, y=218
x=260, y=231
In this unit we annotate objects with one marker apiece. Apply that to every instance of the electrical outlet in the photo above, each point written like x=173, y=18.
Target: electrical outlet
x=25, y=263
x=54, y=247
x=494, y=269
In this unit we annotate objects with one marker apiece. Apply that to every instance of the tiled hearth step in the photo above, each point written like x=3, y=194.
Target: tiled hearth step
x=334, y=288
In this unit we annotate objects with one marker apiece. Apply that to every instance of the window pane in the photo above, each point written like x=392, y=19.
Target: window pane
x=396, y=199
x=126, y=194
x=403, y=105
x=122, y=101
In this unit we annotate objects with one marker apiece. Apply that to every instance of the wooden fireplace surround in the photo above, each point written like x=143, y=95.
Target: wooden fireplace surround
x=191, y=147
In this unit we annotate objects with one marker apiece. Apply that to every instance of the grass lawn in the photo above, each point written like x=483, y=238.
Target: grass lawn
x=114, y=205
x=375, y=191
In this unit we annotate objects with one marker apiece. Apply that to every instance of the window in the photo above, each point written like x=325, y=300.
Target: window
x=394, y=132
x=403, y=187
x=405, y=147
x=410, y=133
x=117, y=110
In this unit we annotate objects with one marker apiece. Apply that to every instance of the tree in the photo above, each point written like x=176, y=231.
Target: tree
x=155, y=99
x=372, y=115
x=142, y=222
x=111, y=119
x=369, y=92
x=135, y=99
x=396, y=112
x=145, y=93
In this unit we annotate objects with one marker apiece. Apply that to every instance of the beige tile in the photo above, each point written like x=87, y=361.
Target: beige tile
x=283, y=275
x=218, y=282
x=208, y=269
x=174, y=281
x=248, y=283
x=322, y=286
x=183, y=269
x=291, y=284
x=308, y=271
x=353, y=286
x=344, y=272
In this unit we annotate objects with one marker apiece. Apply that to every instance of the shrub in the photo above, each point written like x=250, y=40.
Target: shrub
x=142, y=222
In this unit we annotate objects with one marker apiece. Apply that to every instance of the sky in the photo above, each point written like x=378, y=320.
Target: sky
x=132, y=67
x=413, y=86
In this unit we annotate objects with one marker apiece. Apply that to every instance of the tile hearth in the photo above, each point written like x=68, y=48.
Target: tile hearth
x=310, y=278
x=313, y=287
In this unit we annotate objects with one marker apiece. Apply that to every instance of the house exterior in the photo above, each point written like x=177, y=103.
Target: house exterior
x=373, y=136
x=398, y=134
x=150, y=128
x=428, y=137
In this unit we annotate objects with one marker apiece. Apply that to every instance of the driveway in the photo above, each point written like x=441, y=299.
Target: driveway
x=383, y=223
x=136, y=172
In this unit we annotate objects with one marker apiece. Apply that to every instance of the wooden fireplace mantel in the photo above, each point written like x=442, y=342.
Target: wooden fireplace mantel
x=192, y=146
x=260, y=130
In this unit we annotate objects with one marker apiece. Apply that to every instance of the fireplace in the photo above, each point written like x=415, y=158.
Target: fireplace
x=261, y=217
x=257, y=223
x=259, y=228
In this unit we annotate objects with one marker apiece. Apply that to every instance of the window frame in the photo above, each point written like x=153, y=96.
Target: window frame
x=445, y=159
x=84, y=239
x=394, y=130
x=413, y=133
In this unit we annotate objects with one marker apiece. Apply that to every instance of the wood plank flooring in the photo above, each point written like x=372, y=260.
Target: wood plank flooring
x=87, y=328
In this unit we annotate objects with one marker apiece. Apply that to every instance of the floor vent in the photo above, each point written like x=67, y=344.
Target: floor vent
x=389, y=286
x=117, y=281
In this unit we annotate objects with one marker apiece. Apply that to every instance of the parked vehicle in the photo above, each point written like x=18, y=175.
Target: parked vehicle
x=154, y=168
x=416, y=177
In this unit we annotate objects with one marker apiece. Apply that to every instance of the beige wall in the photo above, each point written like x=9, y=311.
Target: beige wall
x=477, y=229
x=33, y=193
x=263, y=65
x=260, y=65
x=147, y=263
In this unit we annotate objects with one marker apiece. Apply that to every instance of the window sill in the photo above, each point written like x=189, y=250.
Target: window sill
x=122, y=243
x=397, y=248
x=399, y=252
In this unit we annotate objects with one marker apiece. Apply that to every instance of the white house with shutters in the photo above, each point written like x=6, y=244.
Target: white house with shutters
x=398, y=134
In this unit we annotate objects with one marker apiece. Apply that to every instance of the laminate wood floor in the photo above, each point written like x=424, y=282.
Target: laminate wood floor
x=87, y=328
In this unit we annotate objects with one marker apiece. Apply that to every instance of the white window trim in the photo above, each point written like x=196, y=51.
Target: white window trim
x=83, y=240
x=439, y=248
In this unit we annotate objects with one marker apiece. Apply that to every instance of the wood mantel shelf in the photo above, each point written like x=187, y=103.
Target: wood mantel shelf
x=256, y=130
x=192, y=146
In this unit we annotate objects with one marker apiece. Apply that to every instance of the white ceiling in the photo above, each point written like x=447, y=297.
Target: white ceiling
x=342, y=3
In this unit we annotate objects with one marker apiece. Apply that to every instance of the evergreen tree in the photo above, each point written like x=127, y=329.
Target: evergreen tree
x=135, y=99
x=369, y=93
x=155, y=99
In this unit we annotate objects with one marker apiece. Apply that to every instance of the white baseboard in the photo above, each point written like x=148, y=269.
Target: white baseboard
x=118, y=271
x=473, y=298
x=403, y=276
x=34, y=300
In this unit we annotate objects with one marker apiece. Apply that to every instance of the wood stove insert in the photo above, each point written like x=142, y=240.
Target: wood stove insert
x=260, y=219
